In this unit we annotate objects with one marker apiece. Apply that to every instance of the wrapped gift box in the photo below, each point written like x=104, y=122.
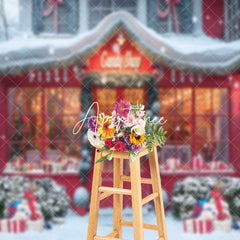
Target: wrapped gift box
x=222, y=225
x=18, y=163
x=12, y=225
x=172, y=164
x=35, y=225
x=51, y=166
x=218, y=165
x=197, y=163
x=70, y=165
x=197, y=226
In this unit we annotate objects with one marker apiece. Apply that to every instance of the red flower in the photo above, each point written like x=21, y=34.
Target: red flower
x=120, y=147
x=109, y=143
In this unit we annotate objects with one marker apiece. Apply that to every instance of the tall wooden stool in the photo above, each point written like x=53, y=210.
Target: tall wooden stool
x=100, y=192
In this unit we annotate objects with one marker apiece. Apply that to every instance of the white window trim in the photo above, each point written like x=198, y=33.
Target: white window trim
x=25, y=16
x=83, y=15
x=142, y=11
x=198, y=13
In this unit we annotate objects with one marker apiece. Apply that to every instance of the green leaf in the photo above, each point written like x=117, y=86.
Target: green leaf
x=106, y=157
x=132, y=156
x=104, y=148
x=109, y=156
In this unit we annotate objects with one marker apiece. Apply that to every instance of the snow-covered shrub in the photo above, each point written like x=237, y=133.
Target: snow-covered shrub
x=51, y=196
x=186, y=192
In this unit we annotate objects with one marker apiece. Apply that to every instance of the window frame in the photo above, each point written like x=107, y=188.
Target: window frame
x=38, y=18
x=193, y=141
x=44, y=139
x=111, y=9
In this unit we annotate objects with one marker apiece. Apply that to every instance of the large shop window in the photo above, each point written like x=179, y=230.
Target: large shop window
x=232, y=19
x=160, y=16
x=98, y=9
x=40, y=127
x=55, y=17
x=197, y=128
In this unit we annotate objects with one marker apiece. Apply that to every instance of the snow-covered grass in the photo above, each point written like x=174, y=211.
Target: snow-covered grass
x=75, y=227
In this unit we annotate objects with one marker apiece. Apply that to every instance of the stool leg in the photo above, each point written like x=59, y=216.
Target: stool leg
x=94, y=205
x=136, y=199
x=117, y=198
x=156, y=186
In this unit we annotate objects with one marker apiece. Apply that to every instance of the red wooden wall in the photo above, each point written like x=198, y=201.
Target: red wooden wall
x=213, y=18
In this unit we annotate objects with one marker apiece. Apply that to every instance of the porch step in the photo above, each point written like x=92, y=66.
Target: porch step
x=115, y=190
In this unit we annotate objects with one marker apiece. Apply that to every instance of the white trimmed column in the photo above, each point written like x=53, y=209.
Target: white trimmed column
x=83, y=16
x=25, y=16
x=142, y=11
x=197, y=17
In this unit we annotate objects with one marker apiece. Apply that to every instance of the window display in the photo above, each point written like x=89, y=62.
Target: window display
x=41, y=122
x=40, y=129
x=197, y=128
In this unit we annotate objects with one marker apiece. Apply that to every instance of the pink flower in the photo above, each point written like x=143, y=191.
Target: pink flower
x=140, y=122
x=122, y=108
x=130, y=121
x=140, y=113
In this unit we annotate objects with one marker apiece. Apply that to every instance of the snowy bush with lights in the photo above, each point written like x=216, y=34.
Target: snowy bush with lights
x=192, y=189
x=52, y=197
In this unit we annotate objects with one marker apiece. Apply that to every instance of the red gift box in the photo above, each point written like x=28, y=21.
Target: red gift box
x=172, y=164
x=12, y=225
x=18, y=163
x=197, y=226
x=47, y=167
x=218, y=165
x=197, y=163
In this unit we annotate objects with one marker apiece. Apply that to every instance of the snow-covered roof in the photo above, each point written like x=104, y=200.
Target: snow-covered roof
x=199, y=54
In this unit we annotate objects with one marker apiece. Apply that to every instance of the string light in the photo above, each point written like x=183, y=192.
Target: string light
x=51, y=51
x=194, y=19
x=236, y=85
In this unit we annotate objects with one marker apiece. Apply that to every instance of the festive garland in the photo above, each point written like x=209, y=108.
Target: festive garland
x=86, y=148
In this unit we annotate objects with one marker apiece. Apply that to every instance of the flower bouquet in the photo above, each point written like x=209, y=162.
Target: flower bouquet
x=126, y=130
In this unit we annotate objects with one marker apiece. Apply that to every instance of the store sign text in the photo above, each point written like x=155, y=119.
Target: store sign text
x=120, y=61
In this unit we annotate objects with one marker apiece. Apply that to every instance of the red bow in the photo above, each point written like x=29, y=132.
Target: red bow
x=218, y=198
x=170, y=6
x=31, y=200
x=53, y=7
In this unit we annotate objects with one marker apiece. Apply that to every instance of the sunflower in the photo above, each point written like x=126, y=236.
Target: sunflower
x=104, y=129
x=137, y=139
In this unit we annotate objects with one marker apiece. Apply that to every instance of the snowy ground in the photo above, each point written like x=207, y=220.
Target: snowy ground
x=75, y=227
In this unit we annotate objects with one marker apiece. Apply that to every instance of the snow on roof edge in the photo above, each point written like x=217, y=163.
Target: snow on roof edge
x=216, y=58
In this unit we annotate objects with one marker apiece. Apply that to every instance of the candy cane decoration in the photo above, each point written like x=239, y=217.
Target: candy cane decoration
x=53, y=8
x=170, y=7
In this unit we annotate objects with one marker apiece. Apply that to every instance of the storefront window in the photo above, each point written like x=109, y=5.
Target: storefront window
x=40, y=129
x=196, y=128
x=55, y=17
x=100, y=9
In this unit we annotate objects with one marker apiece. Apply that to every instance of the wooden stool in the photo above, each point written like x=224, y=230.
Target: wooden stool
x=99, y=193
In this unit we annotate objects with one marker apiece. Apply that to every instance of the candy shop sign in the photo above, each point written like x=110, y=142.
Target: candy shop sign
x=119, y=61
